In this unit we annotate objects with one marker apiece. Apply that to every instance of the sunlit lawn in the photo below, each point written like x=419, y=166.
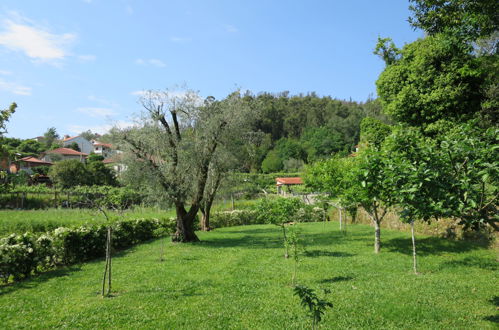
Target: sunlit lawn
x=237, y=278
x=21, y=221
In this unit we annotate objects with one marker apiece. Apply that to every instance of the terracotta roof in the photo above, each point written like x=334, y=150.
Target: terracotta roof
x=108, y=145
x=30, y=159
x=70, y=138
x=66, y=151
x=112, y=160
x=288, y=181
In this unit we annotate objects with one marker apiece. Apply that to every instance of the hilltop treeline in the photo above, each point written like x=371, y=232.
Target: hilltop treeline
x=292, y=130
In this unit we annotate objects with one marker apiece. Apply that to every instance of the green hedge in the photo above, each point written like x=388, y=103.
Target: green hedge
x=254, y=216
x=27, y=254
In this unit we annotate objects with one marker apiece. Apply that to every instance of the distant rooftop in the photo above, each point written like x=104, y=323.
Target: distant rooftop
x=66, y=151
x=288, y=181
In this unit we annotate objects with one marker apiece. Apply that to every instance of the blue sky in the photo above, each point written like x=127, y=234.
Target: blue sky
x=80, y=64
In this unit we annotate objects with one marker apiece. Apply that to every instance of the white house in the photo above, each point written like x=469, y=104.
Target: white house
x=103, y=149
x=85, y=146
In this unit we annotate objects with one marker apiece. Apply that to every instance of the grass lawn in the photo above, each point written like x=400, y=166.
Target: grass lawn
x=20, y=221
x=237, y=278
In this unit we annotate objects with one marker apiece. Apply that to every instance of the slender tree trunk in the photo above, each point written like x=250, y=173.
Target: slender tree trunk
x=377, y=236
x=105, y=274
x=107, y=269
x=286, y=255
x=232, y=201
x=110, y=246
x=415, y=265
x=185, y=224
x=341, y=219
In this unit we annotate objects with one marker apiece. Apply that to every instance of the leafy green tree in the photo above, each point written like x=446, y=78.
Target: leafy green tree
x=74, y=146
x=417, y=174
x=469, y=18
x=334, y=177
x=50, y=137
x=385, y=48
x=69, y=173
x=4, y=117
x=321, y=142
x=279, y=212
x=374, y=132
x=99, y=173
x=272, y=162
x=472, y=179
x=89, y=135
x=30, y=148
x=435, y=78
x=371, y=191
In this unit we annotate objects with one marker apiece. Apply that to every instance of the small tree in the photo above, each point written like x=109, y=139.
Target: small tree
x=316, y=306
x=293, y=244
x=69, y=173
x=370, y=189
x=415, y=172
x=334, y=177
x=279, y=212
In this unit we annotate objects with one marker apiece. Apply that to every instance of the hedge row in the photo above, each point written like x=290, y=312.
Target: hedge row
x=27, y=254
x=307, y=213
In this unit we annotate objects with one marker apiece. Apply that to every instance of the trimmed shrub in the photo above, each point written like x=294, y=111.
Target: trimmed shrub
x=234, y=218
x=23, y=255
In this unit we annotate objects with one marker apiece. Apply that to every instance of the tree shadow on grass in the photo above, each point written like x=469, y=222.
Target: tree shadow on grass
x=321, y=253
x=493, y=318
x=483, y=263
x=337, y=279
x=247, y=231
x=429, y=246
x=256, y=240
x=62, y=271
x=34, y=281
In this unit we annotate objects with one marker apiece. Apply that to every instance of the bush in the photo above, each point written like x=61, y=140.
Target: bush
x=234, y=218
x=23, y=255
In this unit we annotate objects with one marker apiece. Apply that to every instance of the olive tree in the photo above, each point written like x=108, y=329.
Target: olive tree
x=175, y=142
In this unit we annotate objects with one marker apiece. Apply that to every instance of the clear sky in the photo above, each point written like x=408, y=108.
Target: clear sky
x=79, y=64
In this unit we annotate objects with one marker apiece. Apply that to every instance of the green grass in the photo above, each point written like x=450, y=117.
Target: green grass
x=236, y=278
x=20, y=221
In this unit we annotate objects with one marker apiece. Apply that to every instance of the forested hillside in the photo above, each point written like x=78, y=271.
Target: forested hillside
x=292, y=130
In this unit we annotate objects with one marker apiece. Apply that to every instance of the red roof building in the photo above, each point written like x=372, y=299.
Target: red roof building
x=66, y=151
x=63, y=154
x=288, y=181
x=33, y=161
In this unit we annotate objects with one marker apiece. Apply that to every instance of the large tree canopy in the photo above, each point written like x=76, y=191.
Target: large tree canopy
x=435, y=78
x=176, y=145
x=469, y=18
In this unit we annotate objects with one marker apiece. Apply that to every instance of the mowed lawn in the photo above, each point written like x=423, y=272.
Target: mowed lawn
x=237, y=278
x=20, y=221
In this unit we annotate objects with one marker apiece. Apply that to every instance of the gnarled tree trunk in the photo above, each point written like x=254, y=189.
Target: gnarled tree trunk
x=205, y=218
x=185, y=224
